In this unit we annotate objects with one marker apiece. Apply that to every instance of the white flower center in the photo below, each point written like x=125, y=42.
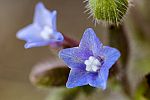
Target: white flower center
x=47, y=33
x=92, y=64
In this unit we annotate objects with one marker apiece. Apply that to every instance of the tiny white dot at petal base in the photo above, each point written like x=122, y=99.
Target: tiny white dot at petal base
x=87, y=62
x=91, y=58
x=47, y=33
x=92, y=64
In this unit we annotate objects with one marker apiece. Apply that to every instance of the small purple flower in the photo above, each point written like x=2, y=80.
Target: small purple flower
x=43, y=30
x=90, y=62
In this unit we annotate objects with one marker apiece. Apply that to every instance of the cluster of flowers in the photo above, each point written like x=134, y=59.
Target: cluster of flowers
x=89, y=62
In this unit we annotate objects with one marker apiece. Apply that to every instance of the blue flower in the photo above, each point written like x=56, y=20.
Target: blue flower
x=90, y=62
x=43, y=30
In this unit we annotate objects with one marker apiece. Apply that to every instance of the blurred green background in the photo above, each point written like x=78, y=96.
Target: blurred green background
x=16, y=62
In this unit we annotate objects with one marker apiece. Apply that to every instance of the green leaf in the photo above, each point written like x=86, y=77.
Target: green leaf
x=142, y=91
x=88, y=89
x=63, y=94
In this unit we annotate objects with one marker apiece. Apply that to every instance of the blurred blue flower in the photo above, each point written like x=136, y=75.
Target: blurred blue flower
x=43, y=30
x=90, y=62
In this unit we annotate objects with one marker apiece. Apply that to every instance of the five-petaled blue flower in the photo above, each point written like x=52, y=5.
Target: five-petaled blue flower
x=43, y=30
x=90, y=62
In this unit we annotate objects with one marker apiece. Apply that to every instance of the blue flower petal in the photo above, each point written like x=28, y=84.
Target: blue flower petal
x=30, y=33
x=77, y=77
x=90, y=42
x=99, y=79
x=36, y=44
x=75, y=57
x=58, y=37
x=111, y=55
x=44, y=17
x=43, y=30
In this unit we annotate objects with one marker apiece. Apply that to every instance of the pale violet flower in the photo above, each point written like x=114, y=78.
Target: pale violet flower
x=42, y=31
x=90, y=62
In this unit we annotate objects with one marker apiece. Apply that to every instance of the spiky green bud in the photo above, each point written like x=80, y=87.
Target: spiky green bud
x=110, y=11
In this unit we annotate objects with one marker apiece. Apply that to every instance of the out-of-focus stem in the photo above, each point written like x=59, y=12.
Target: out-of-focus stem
x=118, y=38
x=69, y=42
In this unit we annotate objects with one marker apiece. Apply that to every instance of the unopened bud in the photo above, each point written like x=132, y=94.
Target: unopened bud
x=52, y=74
x=110, y=11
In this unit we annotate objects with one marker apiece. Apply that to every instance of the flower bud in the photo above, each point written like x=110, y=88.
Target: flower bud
x=49, y=74
x=110, y=11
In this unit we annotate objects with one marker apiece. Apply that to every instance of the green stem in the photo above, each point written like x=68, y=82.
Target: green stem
x=118, y=39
